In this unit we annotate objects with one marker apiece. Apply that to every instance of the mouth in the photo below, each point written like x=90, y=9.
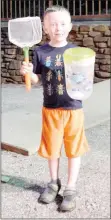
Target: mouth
x=59, y=35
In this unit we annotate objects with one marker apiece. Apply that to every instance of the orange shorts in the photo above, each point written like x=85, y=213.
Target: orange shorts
x=58, y=126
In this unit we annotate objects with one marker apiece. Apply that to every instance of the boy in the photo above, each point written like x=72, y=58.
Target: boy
x=62, y=116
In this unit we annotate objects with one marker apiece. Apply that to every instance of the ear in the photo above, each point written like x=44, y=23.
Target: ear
x=70, y=27
x=45, y=29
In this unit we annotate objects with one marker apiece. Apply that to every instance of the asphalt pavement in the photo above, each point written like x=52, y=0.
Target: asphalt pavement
x=28, y=176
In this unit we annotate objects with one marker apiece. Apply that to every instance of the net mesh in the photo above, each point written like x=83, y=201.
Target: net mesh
x=25, y=32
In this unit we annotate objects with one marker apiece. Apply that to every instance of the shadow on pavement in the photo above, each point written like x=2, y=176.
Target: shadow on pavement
x=22, y=183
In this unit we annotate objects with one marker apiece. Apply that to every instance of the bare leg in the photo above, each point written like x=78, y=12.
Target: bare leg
x=50, y=193
x=54, y=168
x=73, y=171
x=68, y=202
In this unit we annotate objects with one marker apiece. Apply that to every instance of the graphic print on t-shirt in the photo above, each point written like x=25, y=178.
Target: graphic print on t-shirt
x=49, y=89
x=48, y=61
x=56, y=64
x=59, y=60
x=49, y=75
x=60, y=89
x=59, y=74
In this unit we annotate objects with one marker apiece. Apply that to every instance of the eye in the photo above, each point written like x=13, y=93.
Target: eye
x=53, y=24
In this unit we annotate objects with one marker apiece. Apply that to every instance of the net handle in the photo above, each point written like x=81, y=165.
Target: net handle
x=27, y=75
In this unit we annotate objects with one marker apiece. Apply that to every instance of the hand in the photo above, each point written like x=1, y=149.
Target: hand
x=26, y=68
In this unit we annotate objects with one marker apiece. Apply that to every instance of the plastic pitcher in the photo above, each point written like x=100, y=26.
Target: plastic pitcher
x=79, y=72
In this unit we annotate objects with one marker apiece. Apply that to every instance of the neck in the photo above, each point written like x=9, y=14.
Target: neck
x=58, y=44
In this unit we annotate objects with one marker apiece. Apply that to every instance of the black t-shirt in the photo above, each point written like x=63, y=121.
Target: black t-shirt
x=48, y=61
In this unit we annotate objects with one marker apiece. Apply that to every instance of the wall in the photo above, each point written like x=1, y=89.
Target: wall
x=95, y=37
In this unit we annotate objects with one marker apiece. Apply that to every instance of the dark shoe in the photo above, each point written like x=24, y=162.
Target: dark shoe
x=50, y=193
x=68, y=203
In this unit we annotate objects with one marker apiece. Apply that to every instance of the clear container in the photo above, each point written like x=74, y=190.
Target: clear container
x=79, y=72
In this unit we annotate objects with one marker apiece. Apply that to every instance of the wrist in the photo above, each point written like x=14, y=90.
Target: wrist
x=34, y=77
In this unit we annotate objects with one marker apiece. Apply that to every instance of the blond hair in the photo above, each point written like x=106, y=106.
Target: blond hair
x=56, y=8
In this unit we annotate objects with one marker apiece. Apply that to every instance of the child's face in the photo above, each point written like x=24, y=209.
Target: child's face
x=57, y=25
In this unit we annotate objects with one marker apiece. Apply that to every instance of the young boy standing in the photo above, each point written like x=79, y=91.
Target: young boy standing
x=62, y=116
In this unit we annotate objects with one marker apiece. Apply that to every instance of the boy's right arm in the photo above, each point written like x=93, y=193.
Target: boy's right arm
x=28, y=68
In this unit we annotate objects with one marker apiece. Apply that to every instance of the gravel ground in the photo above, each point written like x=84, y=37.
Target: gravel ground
x=29, y=176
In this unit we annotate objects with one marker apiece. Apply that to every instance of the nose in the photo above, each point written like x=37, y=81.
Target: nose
x=58, y=27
